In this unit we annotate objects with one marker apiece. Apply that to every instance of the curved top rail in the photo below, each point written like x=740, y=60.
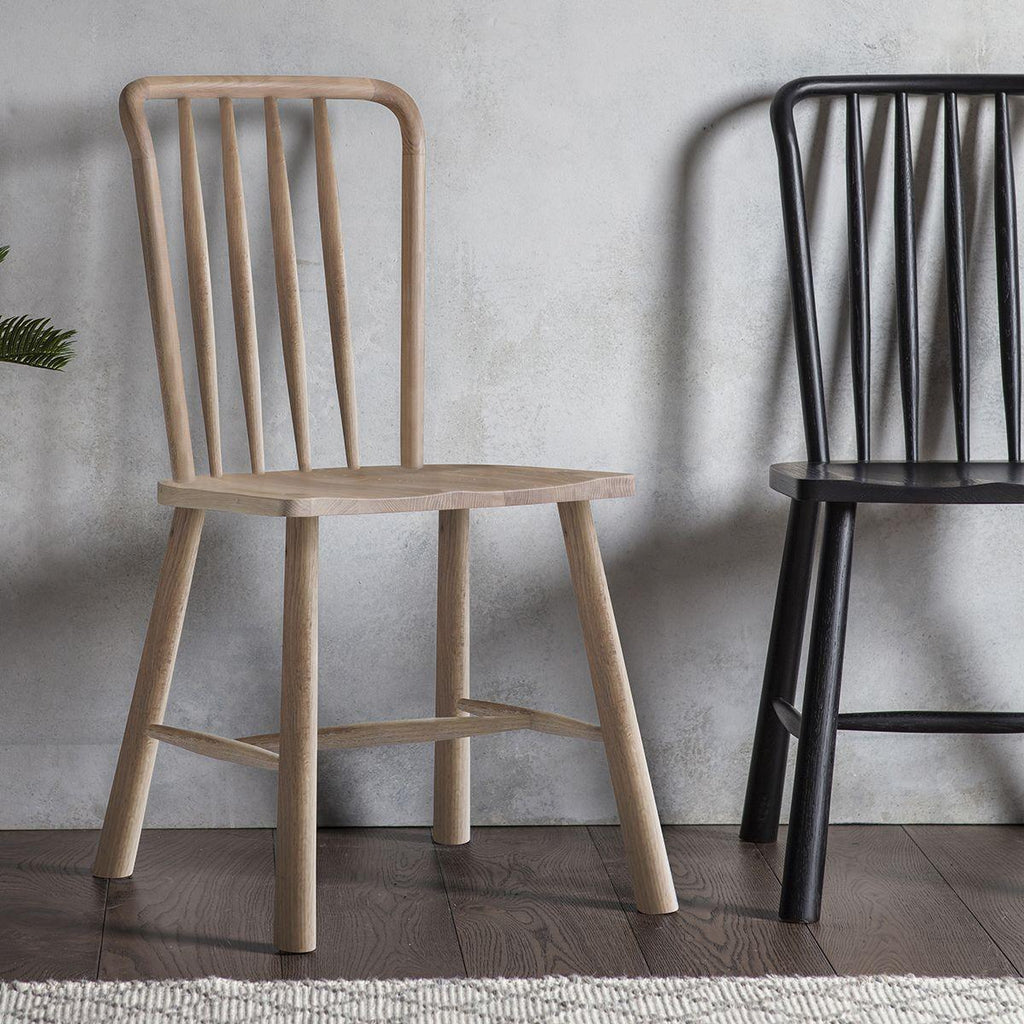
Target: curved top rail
x=876, y=85
x=157, y=87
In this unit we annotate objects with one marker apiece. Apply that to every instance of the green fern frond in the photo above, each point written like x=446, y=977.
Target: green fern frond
x=34, y=342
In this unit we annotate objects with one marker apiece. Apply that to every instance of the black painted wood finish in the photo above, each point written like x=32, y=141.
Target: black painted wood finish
x=956, y=279
x=860, y=300
x=812, y=783
x=853, y=90
x=763, y=802
x=906, y=277
x=930, y=483
x=841, y=486
x=936, y=722
x=1007, y=277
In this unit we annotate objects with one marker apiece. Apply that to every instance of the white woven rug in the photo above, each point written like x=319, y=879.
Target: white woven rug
x=881, y=1000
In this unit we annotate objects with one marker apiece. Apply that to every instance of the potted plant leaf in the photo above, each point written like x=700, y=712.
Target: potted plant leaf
x=33, y=341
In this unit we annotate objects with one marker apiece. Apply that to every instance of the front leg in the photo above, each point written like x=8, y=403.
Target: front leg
x=631, y=781
x=295, y=892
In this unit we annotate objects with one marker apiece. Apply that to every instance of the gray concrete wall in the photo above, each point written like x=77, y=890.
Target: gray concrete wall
x=606, y=289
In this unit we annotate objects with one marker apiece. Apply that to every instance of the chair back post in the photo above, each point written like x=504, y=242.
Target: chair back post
x=270, y=89
x=158, y=280
x=801, y=278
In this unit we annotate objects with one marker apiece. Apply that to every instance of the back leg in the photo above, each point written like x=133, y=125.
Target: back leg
x=763, y=802
x=122, y=824
x=451, y=757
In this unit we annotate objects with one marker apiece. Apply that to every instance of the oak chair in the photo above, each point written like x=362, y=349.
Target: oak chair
x=838, y=487
x=304, y=494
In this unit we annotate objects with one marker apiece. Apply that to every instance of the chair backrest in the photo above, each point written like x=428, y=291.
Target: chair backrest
x=226, y=89
x=798, y=252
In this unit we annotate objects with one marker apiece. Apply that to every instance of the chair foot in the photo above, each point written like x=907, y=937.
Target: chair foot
x=126, y=807
x=766, y=779
x=452, y=757
x=295, y=890
x=631, y=781
x=804, y=871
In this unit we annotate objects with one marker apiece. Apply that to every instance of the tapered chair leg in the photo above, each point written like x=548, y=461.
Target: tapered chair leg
x=812, y=784
x=451, y=757
x=295, y=892
x=631, y=781
x=122, y=824
x=782, y=666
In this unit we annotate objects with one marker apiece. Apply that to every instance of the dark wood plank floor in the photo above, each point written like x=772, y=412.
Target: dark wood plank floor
x=927, y=900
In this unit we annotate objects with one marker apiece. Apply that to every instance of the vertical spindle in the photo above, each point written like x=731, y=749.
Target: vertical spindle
x=197, y=258
x=241, y=286
x=286, y=274
x=1007, y=278
x=906, y=276
x=860, y=304
x=956, y=280
x=334, y=275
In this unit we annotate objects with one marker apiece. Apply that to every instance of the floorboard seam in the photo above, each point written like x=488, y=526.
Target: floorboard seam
x=103, y=927
x=273, y=867
x=451, y=909
x=618, y=896
x=963, y=903
x=806, y=927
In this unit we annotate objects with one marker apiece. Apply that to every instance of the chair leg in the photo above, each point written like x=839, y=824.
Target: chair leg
x=126, y=807
x=451, y=757
x=812, y=784
x=782, y=666
x=631, y=781
x=295, y=892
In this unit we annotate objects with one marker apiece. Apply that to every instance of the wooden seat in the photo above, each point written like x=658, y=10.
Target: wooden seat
x=302, y=493
x=931, y=483
x=372, y=489
x=837, y=488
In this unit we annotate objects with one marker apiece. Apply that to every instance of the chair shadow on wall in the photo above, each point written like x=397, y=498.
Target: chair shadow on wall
x=685, y=565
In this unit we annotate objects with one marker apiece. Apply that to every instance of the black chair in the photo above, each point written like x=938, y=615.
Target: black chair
x=839, y=487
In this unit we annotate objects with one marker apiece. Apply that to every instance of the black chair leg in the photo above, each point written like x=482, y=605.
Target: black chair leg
x=812, y=784
x=782, y=666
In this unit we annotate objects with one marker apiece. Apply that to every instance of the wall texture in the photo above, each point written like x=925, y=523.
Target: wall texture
x=606, y=289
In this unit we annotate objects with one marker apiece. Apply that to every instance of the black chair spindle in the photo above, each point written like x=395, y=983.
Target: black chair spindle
x=906, y=276
x=956, y=280
x=860, y=302
x=1007, y=278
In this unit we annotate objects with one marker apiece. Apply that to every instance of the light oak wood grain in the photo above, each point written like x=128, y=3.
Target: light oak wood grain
x=153, y=232
x=295, y=893
x=303, y=495
x=240, y=269
x=401, y=730
x=539, y=721
x=220, y=748
x=336, y=281
x=413, y=188
x=200, y=290
x=451, y=757
x=377, y=489
x=122, y=825
x=287, y=277
x=631, y=781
